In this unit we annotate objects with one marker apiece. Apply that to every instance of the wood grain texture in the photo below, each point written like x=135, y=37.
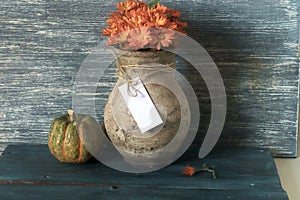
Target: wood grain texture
x=131, y=193
x=254, y=44
x=241, y=174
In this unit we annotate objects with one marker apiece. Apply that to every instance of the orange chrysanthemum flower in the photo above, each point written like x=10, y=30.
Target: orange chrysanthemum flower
x=117, y=39
x=138, y=38
x=129, y=4
x=188, y=170
x=135, y=14
x=174, y=13
x=163, y=38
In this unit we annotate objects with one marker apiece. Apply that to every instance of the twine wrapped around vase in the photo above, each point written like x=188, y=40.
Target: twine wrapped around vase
x=120, y=126
x=137, y=58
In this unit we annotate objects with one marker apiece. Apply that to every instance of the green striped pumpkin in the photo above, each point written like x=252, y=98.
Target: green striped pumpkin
x=64, y=142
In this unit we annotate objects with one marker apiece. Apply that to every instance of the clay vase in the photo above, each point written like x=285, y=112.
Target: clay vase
x=120, y=125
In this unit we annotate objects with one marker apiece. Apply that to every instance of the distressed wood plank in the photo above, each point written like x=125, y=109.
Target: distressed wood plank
x=237, y=169
x=124, y=192
x=254, y=44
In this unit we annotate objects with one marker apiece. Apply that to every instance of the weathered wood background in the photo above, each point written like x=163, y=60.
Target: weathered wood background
x=254, y=44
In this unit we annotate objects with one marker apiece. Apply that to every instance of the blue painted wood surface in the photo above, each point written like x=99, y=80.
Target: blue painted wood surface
x=254, y=44
x=32, y=172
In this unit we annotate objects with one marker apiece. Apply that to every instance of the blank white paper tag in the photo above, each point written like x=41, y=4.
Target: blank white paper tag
x=141, y=106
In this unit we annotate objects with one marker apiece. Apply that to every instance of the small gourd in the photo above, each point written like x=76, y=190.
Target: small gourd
x=64, y=142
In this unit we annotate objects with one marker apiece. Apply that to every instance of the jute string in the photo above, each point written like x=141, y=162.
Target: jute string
x=122, y=73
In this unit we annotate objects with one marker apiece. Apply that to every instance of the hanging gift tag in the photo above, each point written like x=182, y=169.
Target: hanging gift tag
x=140, y=105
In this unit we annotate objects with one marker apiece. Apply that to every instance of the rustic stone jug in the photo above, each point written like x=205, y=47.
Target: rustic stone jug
x=120, y=125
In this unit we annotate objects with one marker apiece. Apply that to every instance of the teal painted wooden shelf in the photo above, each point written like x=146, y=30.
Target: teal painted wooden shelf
x=31, y=172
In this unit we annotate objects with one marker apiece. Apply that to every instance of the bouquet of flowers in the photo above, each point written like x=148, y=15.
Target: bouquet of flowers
x=139, y=25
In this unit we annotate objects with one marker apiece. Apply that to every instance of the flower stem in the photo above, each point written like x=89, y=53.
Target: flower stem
x=206, y=169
